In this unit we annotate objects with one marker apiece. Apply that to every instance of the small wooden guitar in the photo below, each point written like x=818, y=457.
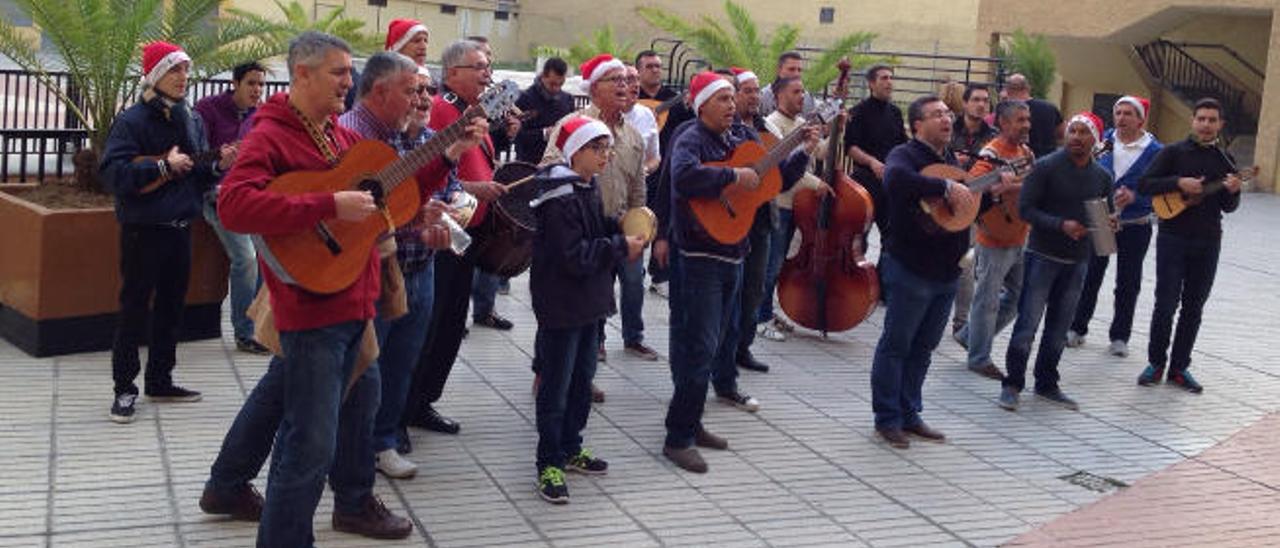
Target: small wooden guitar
x=661, y=108
x=1002, y=221
x=941, y=214
x=331, y=256
x=1172, y=204
x=729, y=217
x=208, y=156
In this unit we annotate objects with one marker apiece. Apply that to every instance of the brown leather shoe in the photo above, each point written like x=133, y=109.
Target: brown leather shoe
x=597, y=395
x=687, y=458
x=703, y=438
x=989, y=371
x=244, y=504
x=925, y=431
x=373, y=521
x=895, y=438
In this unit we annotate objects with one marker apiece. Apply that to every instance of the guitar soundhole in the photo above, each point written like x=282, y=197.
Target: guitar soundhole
x=372, y=186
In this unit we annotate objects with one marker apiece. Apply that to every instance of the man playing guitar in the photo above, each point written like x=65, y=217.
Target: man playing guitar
x=1001, y=235
x=1188, y=245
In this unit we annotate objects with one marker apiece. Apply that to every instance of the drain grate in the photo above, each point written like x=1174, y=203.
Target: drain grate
x=1093, y=482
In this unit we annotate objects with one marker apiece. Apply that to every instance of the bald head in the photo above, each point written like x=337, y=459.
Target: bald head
x=1017, y=87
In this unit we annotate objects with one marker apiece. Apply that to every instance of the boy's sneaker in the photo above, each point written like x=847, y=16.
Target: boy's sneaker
x=740, y=400
x=1074, y=340
x=1184, y=380
x=584, y=463
x=1060, y=398
x=1151, y=375
x=172, y=393
x=551, y=486
x=391, y=464
x=122, y=408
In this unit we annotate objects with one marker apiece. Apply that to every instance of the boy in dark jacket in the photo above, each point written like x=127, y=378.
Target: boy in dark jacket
x=150, y=164
x=575, y=253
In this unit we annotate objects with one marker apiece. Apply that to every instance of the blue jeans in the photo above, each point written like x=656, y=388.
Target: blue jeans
x=914, y=320
x=997, y=286
x=1050, y=290
x=778, y=247
x=704, y=304
x=1131, y=248
x=484, y=292
x=243, y=279
x=754, y=269
x=299, y=404
x=1185, y=269
x=630, y=275
x=400, y=342
x=568, y=363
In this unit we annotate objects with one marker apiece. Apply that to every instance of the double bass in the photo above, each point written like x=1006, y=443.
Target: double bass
x=829, y=285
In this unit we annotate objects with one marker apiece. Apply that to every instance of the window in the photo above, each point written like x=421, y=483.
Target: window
x=826, y=16
x=501, y=15
x=448, y=9
x=378, y=3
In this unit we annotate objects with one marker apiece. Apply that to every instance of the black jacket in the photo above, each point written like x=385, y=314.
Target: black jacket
x=575, y=252
x=149, y=128
x=1055, y=191
x=928, y=255
x=1188, y=158
x=530, y=142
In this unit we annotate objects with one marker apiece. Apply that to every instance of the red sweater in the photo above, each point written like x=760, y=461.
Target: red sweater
x=474, y=164
x=279, y=144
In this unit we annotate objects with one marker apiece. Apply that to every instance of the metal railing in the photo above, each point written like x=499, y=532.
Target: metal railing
x=1189, y=79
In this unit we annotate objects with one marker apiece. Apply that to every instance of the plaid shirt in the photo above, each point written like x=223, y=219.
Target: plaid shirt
x=410, y=251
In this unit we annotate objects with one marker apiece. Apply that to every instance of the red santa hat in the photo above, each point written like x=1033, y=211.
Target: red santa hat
x=596, y=67
x=401, y=31
x=158, y=58
x=743, y=75
x=1090, y=121
x=579, y=131
x=704, y=85
x=1140, y=104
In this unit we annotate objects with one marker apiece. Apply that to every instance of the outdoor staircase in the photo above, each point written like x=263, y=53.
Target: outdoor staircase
x=1173, y=68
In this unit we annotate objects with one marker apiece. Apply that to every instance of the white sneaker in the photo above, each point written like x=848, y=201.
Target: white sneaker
x=393, y=465
x=1074, y=340
x=1119, y=348
x=768, y=331
x=659, y=289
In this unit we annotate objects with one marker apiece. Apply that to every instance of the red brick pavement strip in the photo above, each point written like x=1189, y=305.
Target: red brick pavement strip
x=1229, y=495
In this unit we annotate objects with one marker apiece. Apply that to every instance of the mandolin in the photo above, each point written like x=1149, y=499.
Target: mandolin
x=332, y=256
x=1172, y=204
x=940, y=214
x=211, y=155
x=728, y=217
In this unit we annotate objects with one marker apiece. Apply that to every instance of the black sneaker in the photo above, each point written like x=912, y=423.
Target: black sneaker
x=1151, y=375
x=172, y=393
x=251, y=346
x=1184, y=380
x=740, y=400
x=494, y=321
x=122, y=408
x=584, y=463
x=551, y=486
x=1058, y=397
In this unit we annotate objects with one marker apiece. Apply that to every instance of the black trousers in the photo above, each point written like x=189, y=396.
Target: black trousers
x=155, y=263
x=1185, y=268
x=453, y=277
x=753, y=274
x=1131, y=250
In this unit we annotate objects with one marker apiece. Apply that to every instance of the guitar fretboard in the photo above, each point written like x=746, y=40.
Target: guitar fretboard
x=400, y=170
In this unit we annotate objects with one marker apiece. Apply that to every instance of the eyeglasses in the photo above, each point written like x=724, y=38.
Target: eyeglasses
x=616, y=80
x=482, y=67
x=431, y=90
x=941, y=115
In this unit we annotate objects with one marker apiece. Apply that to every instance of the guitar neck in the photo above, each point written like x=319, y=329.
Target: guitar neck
x=982, y=183
x=402, y=169
x=779, y=151
x=668, y=104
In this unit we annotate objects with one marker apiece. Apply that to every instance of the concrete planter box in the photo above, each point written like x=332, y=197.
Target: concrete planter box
x=60, y=278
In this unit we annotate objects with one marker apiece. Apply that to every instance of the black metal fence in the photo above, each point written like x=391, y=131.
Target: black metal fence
x=1191, y=80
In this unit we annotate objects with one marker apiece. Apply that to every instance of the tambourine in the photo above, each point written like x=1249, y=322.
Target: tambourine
x=640, y=221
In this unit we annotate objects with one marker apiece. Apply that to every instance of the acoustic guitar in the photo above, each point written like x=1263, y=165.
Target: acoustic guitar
x=728, y=217
x=662, y=108
x=1002, y=221
x=940, y=214
x=331, y=256
x=1172, y=204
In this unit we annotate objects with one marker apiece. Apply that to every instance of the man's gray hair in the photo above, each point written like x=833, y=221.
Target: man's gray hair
x=455, y=54
x=310, y=47
x=383, y=66
x=1006, y=109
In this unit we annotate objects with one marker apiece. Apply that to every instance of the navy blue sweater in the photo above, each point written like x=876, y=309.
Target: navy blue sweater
x=935, y=256
x=148, y=128
x=575, y=252
x=689, y=178
x=1055, y=191
x=1188, y=158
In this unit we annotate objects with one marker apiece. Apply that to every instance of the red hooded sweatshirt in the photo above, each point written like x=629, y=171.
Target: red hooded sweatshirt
x=475, y=163
x=279, y=144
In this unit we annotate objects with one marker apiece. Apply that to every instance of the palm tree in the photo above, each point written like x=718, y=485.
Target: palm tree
x=1030, y=55
x=742, y=44
x=296, y=21
x=99, y=42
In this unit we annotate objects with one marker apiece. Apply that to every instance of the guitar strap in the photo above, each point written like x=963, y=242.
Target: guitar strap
x=321, y=136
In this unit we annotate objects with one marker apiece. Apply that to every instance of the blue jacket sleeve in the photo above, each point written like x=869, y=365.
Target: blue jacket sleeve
x=793, y=168
x=566, y=234
x=689, y=176
x=904, y=181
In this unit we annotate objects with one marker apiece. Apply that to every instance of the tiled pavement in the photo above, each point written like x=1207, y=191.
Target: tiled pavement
x=805, y=470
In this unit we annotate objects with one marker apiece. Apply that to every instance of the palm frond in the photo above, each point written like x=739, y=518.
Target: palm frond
x=823, y=70
x=1032, y=56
